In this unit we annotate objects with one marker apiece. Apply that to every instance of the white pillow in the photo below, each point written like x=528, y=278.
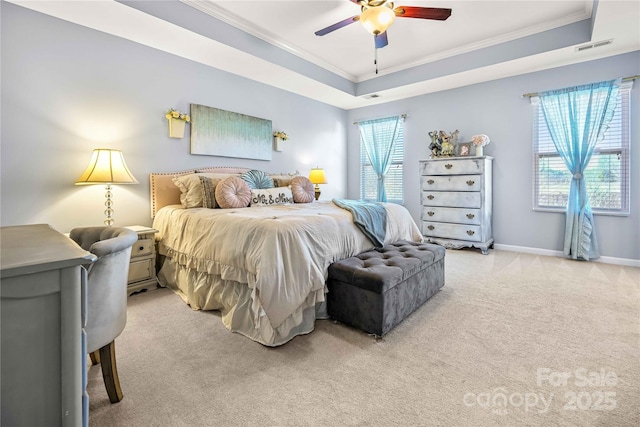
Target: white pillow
x=283, y=180
x=271, y=196
x=191, y=194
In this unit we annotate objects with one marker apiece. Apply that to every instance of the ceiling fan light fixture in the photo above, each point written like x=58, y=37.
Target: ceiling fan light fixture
x=377, y=19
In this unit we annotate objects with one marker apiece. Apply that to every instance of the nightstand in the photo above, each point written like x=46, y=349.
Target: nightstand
x=142, y=268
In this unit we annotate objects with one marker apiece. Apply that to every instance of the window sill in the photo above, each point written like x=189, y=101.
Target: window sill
x=595, y=212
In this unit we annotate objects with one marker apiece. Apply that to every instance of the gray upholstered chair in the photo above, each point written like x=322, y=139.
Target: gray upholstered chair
x=106, y=296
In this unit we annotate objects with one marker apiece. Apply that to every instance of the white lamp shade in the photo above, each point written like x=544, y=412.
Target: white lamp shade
x=377, y=19
x=106, y=167
x=316, y=176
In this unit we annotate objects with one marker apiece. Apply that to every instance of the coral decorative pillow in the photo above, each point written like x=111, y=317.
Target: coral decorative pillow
x=233, y=192
x=302, y=190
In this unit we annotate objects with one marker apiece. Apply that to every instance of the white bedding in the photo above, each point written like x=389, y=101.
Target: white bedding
x=280, y=253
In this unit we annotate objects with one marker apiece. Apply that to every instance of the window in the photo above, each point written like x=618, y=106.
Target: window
x=607, y=175
x=393, y=183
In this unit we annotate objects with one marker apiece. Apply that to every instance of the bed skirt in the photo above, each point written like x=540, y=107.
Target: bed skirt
x=203, y=291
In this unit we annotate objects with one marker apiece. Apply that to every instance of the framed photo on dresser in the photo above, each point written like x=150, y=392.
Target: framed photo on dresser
x=464, y=149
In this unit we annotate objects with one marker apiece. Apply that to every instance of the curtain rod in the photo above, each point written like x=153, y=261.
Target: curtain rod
x=404, y=116
x=624, y=79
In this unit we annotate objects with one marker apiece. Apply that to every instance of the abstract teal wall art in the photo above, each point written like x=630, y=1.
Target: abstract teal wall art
x=216, y=132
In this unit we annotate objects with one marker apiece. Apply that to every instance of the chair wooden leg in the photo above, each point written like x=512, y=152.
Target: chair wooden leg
x=95, y=357
x=110, y=372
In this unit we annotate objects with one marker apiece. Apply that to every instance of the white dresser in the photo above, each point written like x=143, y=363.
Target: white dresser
x=456, y=201
x=43, y=312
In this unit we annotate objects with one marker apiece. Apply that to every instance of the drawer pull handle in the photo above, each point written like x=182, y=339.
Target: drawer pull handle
x=471, y=232
x=448, y=166
x=430, y=197
x=470, y=182
x=430, y=182
x=471, y=216
x=431, y=227
x=141, y=248
x=430, y=213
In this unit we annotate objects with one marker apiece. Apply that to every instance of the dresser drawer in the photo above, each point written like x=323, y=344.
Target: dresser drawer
x=454, y=199
x=457, y=215
x=452, y=183
x=141, y=270
x=142, y=247
x=453, y=167
x=468, y=232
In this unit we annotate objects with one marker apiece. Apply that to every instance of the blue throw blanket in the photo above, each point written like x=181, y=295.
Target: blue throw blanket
x=370, y=218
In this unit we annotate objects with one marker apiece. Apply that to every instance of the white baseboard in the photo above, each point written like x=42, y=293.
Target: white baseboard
x=547, y=252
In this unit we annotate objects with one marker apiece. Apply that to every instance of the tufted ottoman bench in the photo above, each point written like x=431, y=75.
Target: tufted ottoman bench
x=376, y=290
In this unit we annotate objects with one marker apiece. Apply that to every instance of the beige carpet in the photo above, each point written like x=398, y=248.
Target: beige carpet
x=506, y=326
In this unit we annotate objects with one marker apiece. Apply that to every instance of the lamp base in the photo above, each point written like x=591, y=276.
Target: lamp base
x=317, y=191
x=109, y=206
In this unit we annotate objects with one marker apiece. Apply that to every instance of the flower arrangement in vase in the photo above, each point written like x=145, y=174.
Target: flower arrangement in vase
x=480, y=141
x=279, y=136
x=283, y=136
x=177, y=121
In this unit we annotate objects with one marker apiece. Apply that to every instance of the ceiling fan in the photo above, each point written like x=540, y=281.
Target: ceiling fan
x=378, y=15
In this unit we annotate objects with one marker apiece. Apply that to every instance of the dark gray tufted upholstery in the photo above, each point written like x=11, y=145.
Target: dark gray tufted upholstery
x=376, y=290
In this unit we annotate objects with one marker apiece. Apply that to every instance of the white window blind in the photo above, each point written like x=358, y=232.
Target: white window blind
x=393, y=183
x=607, y=174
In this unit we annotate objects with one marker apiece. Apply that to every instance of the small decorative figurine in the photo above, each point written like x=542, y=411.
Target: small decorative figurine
x=443, y=144
x=435, y=145
x=454, y=137
x=447, y=147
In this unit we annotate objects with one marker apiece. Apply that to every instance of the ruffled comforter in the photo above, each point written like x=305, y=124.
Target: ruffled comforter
x=280, y=253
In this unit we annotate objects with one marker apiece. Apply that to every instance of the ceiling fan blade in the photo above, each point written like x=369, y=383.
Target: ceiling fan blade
x=436, y=13
x=337, y=25
x=381, y=40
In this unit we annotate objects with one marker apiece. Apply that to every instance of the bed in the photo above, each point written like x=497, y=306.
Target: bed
x=264, y=268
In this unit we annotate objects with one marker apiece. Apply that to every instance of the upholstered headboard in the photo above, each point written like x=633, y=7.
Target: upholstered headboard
x=164, y=192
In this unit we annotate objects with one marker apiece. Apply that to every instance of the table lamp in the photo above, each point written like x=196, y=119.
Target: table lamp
x=316, y=176
x=107, y=167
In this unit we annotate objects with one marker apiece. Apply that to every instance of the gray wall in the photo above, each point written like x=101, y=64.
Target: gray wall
x=497, y=109
x=67, y=89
